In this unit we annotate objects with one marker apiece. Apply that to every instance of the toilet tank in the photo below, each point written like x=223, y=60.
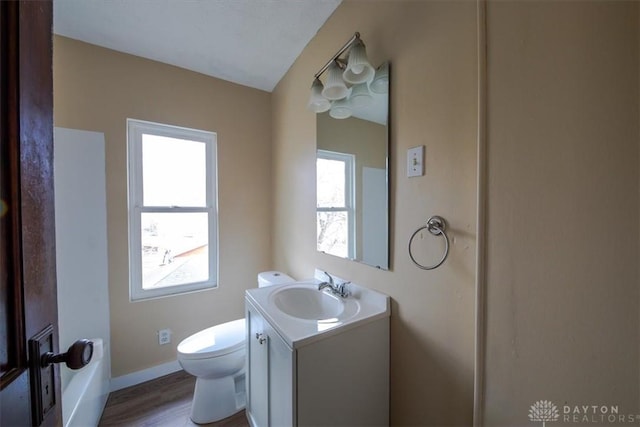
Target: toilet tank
x=269, y=278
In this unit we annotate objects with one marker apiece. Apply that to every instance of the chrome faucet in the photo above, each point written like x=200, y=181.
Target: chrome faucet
x=339, y=290
x=328, y=284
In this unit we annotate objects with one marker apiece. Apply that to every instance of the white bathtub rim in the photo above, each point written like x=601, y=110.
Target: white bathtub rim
x=77, y=391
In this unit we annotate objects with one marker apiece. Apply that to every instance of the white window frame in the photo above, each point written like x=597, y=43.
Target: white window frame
x=135, y=130
x=349, y=188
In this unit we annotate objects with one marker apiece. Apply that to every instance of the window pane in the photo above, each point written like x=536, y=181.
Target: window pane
x=175, y=249
x=174, y=172
x=331, y=183
x=333, y=233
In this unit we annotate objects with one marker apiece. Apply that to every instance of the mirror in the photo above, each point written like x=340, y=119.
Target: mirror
x=352, y=195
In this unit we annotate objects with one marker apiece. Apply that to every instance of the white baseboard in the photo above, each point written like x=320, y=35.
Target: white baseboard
x=145, y=375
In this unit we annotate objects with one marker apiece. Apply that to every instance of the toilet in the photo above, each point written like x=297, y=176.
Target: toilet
x=216, y=356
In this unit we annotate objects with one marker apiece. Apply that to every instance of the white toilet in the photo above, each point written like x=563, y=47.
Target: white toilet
x=217, y=357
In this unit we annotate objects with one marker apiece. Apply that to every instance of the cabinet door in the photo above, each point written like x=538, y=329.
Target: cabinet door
x=281, y=380
x=257, y=366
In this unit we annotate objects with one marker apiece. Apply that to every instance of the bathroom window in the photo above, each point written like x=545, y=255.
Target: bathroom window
x=172, y=209
x=335, y=203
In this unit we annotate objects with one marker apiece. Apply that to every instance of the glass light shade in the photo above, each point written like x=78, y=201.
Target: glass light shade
x=340, y=109
x=317, y=102
x=358, y=70
x=380, y=82
x=360, y=96
x=334, y=87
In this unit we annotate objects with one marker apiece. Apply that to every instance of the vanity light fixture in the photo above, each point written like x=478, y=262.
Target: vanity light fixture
x=335, y=88
x=317, y=102
x=347, y=85
x=358, y=68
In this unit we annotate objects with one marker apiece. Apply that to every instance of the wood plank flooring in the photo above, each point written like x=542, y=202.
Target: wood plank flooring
x=162, y=402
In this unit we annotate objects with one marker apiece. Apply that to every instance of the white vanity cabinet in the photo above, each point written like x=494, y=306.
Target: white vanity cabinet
x=336, y=377
x=270, y=387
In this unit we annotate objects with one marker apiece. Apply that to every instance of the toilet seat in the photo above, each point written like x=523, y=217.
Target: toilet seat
x=215, y=341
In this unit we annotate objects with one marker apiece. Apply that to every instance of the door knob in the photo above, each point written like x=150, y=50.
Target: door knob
x=76, y=357
x=42, y=373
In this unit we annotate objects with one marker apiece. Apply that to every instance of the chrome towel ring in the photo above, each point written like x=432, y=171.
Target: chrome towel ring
x=436, y=226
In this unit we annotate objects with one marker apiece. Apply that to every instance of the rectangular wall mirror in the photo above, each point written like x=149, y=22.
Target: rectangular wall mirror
x=352, y=172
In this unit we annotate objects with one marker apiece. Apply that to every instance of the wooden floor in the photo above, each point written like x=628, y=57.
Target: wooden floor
x=162, y=402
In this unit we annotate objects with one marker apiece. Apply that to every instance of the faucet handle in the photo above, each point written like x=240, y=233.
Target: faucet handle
x=342, y=289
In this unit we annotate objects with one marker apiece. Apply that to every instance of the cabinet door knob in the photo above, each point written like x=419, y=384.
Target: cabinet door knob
x=261, y=338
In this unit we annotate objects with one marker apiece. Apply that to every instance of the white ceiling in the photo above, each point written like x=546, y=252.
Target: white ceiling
x=249, y=42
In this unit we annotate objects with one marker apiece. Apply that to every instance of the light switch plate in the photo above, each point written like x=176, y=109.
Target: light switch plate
x=415, y=161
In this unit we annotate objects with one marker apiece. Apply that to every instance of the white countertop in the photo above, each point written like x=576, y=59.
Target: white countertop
x=296, y=332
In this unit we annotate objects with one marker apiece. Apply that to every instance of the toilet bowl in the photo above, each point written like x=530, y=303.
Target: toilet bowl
x=216, y=356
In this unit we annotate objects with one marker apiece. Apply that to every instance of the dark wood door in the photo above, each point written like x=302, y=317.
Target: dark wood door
x=28, y=302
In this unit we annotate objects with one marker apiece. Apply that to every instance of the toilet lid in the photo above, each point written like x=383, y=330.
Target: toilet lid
x=214, y=341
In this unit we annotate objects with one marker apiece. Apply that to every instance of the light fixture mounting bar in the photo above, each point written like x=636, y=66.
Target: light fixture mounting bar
x=342, y=50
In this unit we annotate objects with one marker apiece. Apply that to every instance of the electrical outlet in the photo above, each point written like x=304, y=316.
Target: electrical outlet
x=164, y=336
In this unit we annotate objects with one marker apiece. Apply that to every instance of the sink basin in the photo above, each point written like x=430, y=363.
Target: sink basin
x=301, y=314
x=308, y=303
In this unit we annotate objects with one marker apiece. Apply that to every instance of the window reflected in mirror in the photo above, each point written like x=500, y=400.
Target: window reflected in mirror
x=335, y=205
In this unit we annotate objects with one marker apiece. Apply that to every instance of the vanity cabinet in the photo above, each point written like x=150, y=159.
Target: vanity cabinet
x=341, y=378
x=270, y=386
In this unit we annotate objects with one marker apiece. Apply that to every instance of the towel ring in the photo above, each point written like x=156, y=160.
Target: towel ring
x=436, y=226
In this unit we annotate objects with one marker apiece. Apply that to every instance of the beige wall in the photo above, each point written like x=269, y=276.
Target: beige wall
x=98, y=89
x=432, y=50
x=562, y=242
